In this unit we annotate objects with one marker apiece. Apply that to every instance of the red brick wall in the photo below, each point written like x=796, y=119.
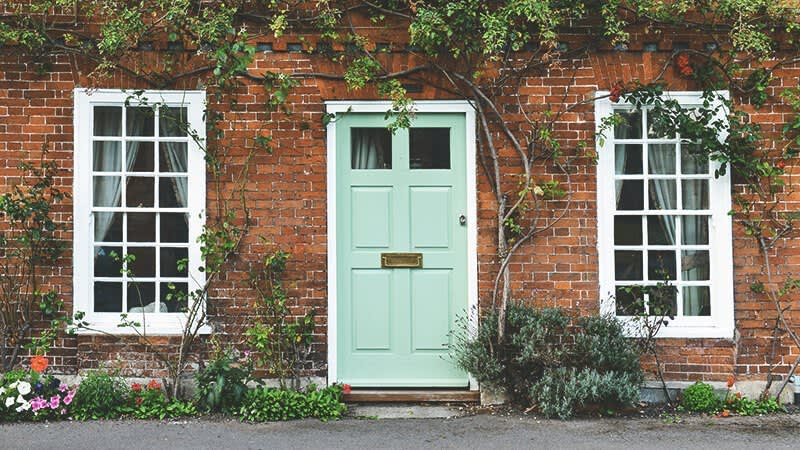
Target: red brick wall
x=287, y=199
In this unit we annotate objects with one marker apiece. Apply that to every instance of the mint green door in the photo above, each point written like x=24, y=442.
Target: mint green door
x=400, y=193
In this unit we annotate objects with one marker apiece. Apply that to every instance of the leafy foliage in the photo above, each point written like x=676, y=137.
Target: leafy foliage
x=270, y=404
x=282, y=341
x=29, y=243
x=101, y=395
x=222, y=383
x=700, y=397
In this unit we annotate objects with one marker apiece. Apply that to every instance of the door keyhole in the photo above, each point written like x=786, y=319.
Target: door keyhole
x=462, y=219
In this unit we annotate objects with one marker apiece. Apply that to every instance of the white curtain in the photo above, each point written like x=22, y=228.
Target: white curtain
x=175, y=158
x=108, y=189
x=662, y=161
x=368, y=151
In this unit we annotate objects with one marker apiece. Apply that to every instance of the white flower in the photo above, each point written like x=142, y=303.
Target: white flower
x=13, y=385
x=24, y=407
x=2, y=390
x=538, y=190
x=9, y=401
x=24, y=388
x=20, y=399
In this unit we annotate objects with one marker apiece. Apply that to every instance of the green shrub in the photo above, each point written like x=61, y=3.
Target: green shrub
x=100, y=396
x=743, y=406
x=222, y=383
x=561, y=391
x=271, y=404
x=700, y=397
x=545, y=361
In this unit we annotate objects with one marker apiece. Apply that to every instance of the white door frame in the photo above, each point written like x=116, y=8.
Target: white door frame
x=422, y=106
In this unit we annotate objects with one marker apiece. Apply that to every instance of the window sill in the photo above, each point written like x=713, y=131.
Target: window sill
x=677, y=330
x=152, y=326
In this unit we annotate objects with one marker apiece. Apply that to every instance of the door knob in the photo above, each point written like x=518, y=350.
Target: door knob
x=462, y=219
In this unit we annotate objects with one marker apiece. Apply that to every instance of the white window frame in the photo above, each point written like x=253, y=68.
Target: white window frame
x=83, y=292
x=720, y=324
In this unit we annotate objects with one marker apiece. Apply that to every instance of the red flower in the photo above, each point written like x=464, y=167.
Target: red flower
x=139, y=400
x=683, y=65
x=136, y=387
x=153, y=384
x=781, y=164
x=738, y=395
x=725, y=413
x=39, y=363
x=346, y=388
x=730, y=381
x=616, y=92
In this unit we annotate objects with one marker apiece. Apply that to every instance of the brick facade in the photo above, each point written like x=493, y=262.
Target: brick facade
x=287, y=198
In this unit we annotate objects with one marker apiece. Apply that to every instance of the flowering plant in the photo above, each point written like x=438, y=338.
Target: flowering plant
x=34, y=395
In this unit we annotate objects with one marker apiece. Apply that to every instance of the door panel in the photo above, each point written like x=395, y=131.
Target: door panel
x=431, y=210
x=371, y=317
x=372, y=216
x=401, y=192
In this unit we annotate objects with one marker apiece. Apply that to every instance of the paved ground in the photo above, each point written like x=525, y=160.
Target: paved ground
x=481, y=431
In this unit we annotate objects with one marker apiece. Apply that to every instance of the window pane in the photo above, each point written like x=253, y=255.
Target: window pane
x=140, y=192
x=108, y=261
x=631, y=126
x=696, y=301
x=141, y=153
x=630, y=195
x=108, y=227
x=629, y=301
x=695, y=194
x=691, y=161
x=107, y=296
x=141, y=227
x=429, y=148
x=627, y=230
x=695, y=265
x=661, y=230
x=174, y=227
x=662, y=195
x=172, y=192
x=107, y=157
x=661, y=158
x=371, y=148
x=628, y=158
x=141, y=297
x=172, y=122
x=169, y=261
x=695, y=230
x=663, y=301
x=658, y=126
x=628, y=265
x=140, y=121
x=174, y=296
x=107, y=121
x=172, y=157
x=107, y=191
x=661, y=265
x=144, y=263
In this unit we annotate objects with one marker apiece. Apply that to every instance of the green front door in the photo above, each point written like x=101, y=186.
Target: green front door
x=400, y=193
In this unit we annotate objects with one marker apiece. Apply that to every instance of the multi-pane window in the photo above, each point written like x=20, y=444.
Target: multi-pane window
x=662, y=219
x=140, y=183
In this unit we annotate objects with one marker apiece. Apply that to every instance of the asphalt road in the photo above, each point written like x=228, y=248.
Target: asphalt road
x=481, y=431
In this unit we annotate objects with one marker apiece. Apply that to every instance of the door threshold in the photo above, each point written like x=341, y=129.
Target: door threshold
x=374, y=395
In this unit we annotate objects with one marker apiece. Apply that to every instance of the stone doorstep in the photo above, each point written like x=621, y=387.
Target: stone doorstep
x=402, y=411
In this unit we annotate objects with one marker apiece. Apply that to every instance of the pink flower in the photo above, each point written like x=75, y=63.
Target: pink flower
x=63, y=387
x=38, y=403
x=55, y=401
x=68, y=397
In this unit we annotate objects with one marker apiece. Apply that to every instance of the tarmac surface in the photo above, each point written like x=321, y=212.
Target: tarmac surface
x=479, y=431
